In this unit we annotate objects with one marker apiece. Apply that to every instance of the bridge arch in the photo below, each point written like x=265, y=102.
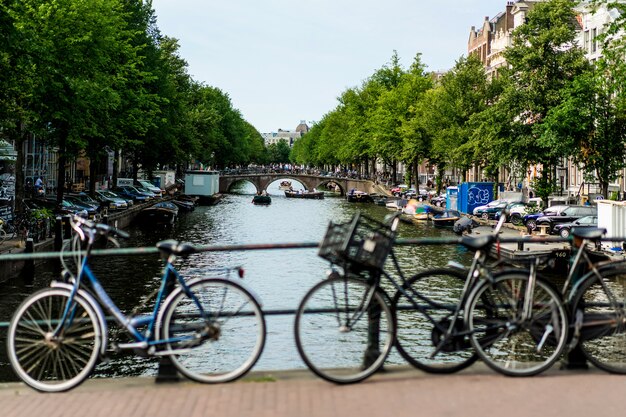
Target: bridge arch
x=236, y=181
x=262, y=180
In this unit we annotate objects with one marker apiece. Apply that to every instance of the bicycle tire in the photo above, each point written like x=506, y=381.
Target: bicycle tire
x=603, y=343
x=504, y=343
x=234, y=330
x=332, y=330
x=417, y=337
x=42, y=362
x=3, y=235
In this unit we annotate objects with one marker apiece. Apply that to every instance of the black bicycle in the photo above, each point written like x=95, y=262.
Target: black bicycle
x=596, y=295
x=346, y=325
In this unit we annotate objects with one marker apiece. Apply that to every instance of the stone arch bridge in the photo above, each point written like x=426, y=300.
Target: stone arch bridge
x=262, y=181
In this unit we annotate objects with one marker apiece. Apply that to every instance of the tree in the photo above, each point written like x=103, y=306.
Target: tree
x=446, y=113
x=544, y=60
x=278, y=153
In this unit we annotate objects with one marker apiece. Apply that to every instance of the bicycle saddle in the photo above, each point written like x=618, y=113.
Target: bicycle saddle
x=477, y=243
x=588, y=232
x=174, y=247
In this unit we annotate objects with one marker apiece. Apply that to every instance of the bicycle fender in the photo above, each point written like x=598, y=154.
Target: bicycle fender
x=95, y=305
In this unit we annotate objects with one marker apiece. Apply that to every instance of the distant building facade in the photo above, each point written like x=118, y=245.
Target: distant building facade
x=289, y=136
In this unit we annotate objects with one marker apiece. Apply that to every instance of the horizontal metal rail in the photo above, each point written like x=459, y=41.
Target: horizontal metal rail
x=274, y=246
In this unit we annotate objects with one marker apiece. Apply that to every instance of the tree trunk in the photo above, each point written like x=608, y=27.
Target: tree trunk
x=394, y=172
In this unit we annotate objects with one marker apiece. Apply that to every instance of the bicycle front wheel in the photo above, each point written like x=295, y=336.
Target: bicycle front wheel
x=603, y=331
x=424, y=311
x=344, y=330
x=49, y=358
x=215, y=332
x=509, y=341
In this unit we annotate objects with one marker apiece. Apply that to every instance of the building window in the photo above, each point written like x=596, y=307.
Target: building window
x=586, y=41
x=594, y=41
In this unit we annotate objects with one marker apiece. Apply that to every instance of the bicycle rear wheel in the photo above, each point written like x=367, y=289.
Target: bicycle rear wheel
x=343, y=330
x=219, y=342
x=603, y=332
x=419, y=331
x=49, y=362
x=509, y=343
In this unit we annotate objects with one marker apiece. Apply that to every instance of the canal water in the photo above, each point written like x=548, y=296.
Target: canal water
x=279, y=277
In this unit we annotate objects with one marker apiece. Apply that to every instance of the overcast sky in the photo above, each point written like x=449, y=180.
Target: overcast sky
x=282, y=61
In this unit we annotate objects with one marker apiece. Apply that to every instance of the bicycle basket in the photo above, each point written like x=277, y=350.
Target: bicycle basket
x=362, y=241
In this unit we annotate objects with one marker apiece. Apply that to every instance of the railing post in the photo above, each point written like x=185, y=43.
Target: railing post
x=373, y=337
x=167, y=372
x=58, y=233
x=575, y=359
x=29, y=265
x=67, y=229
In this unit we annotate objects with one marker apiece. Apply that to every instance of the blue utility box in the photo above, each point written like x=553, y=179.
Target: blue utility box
x=474, y=194
x=452, y=198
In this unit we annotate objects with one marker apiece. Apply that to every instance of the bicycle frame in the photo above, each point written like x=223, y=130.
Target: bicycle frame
x=144, y=339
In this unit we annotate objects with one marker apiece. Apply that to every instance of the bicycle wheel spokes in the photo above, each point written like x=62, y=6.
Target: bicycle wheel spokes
x=218, y=334
x=603, y=334
x=343, y=333
x=424, y=314
x=53, y=361
x=512, y=341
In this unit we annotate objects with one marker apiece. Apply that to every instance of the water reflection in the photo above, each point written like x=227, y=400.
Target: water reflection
x=279, y=277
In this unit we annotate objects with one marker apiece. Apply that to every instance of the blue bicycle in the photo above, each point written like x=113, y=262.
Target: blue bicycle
x=212, y=329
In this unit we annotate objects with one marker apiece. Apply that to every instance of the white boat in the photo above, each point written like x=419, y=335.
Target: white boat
x=284, y=185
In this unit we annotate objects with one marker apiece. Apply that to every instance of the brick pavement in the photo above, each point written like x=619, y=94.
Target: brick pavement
x=398, y=393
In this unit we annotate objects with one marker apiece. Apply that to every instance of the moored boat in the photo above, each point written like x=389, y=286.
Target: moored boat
x=184, y=205
x=447, y=218
x=422, y=213
x=355, y=196
x=162, y=213
x=316, y=195
x=262, y=200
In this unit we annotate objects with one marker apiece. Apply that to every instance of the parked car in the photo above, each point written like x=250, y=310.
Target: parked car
x=93, y=212
x=129, y=200
x=530, y=220
x=564, y=229
x=111, y=200
x=63, y=209
x=439, y=201
x=489, y=211
x=420, y=195
x=399, y=190
x=150, y=187
x=86, y=199
x=136, y=195
x=514, y=212
x=567, y=215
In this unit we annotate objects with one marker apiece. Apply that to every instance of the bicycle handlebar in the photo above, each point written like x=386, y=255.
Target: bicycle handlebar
x=99, y=228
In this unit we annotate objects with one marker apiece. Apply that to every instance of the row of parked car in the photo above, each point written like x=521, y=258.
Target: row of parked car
x=82, y=204
x=558, y=220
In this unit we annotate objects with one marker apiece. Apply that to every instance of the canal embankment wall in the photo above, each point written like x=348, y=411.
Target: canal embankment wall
x=12, y=269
